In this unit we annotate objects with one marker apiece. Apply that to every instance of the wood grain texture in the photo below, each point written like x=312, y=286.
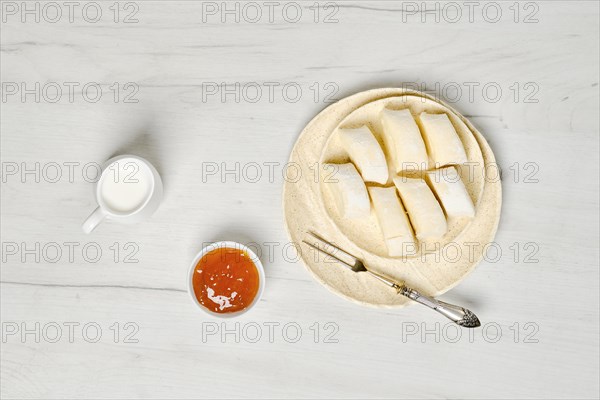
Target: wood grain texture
x=176, y=59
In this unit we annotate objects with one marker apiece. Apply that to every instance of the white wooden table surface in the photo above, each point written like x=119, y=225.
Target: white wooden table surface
x=77, y=325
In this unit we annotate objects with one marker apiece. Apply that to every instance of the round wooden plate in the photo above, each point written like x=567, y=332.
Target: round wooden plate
x=434, y=269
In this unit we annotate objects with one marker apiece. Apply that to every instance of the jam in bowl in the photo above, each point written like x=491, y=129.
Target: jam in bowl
x=226, y=279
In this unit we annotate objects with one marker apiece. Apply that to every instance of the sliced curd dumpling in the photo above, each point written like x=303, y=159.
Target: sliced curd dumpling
x=403, y=140
x=392, y=218
x=451, y=191
x=443, y=143
x=348, y=190
x=424, y=211
x=366, y=153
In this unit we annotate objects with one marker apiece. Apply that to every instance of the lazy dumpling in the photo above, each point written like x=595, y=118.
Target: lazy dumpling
x=443, y=143
x=450, y=189
x=403, y=140
x=366, y=153
x=392, y=218
x=348, y=190
x=426, y=215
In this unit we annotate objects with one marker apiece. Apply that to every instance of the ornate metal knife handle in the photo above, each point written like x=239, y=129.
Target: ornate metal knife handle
x=457, y=314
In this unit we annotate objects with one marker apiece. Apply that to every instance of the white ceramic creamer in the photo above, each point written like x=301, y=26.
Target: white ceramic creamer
x=129, y=190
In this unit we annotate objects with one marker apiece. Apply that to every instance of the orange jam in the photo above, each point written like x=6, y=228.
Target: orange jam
x=225, y=280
